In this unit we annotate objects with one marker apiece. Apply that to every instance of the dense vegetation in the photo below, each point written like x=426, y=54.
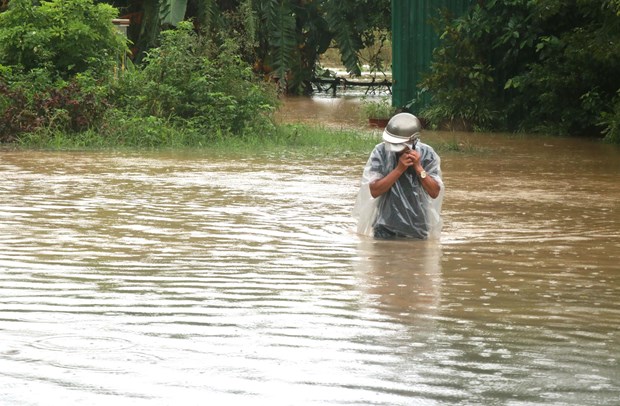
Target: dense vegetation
x=188, y=91
x=65, y=79
x=517, y=65
x=281, y=38
x=539, y=66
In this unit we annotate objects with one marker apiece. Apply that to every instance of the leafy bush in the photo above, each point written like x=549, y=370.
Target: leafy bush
x=187, y=92
x=191, y=83
x=32, y=102
x=380, y=109
x=611, y=121
x=545, y=66
x=461, y=84
x=66, y=36
x=53, y=54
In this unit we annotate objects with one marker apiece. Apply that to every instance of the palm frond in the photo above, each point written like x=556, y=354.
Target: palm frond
x=172, y=12
x=344, y=34
x=282, y=36
x=149, y=29
x=207, y=13
x=249, y=19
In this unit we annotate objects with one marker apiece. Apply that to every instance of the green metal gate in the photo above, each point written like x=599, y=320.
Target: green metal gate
x=413, y=41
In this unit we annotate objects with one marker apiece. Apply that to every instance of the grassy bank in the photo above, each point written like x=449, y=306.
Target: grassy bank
x=287, y=137
x=300, y=139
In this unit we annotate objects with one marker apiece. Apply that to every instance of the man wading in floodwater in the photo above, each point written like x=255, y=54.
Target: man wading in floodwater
x=402, y=191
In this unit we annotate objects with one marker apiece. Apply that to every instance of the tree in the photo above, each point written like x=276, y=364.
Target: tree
x=545, y=66
x=298, y=32
x=283, y=38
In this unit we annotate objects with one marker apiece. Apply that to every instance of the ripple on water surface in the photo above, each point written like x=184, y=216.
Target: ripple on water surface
x=161, y=279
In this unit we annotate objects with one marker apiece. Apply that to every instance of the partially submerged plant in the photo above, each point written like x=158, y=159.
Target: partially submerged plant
x=378, y=109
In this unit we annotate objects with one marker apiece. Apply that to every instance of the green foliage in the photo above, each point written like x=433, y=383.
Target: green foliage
x=545, y=66
x=241, y=27
x=381, y=108
x=172, y=11
x=292, y=34
x=610, y=120
x=345, y=36
x=189, y=91
x=33, y=102
x=66, y=36
x=461, y=82
x=50, y=54
x=280, y=38
x=189, y=81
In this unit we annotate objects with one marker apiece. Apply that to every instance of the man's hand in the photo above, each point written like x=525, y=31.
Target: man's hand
x=414, y=156
x=405, y=160
x=408, y=158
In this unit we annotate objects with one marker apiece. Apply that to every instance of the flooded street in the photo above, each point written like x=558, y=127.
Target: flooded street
x=184, y=278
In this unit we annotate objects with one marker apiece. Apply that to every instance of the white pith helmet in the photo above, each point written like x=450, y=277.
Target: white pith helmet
x=403, y=128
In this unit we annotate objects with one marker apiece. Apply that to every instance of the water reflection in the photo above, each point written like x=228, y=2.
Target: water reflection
x=404, y=276
x=342, y=111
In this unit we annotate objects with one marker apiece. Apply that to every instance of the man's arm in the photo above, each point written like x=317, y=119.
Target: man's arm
x=428, y=183
x=380, y=186
x=407, y=159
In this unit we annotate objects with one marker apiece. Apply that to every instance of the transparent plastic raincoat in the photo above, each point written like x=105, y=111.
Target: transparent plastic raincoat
x=406, y=210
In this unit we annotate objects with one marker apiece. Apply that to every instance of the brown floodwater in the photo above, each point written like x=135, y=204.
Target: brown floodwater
x=162, y=278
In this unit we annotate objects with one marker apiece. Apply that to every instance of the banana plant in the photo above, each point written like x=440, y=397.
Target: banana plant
x=296, y=32
x=172, y=12
x=278, y=24
x=288, y=35
x=155, y=15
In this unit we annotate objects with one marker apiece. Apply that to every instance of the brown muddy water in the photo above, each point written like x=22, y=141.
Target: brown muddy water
x=185, y=278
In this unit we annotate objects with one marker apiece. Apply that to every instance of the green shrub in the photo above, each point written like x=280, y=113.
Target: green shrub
x=192, y=83
x=32, y=102
x=66, y=36
x=461, y=83
x=518, y=65
x=611, y=122
x=187, y=93
x=378, y=109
